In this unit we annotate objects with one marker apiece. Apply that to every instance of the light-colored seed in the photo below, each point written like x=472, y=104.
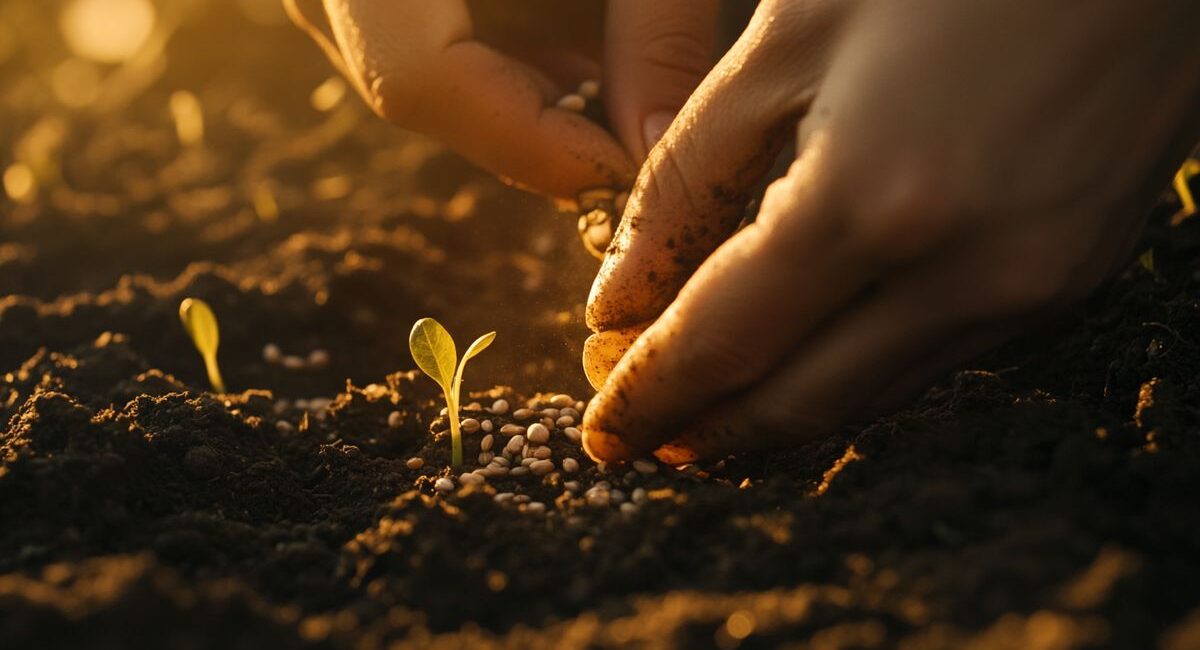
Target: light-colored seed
x=319, y=403
x=621, y=201
x=570, y=465
x=541, y=467
x=596, y=498
x=564, y=422
x=471, y=479
x=536, y=507
x=630, y=476
x=616, y=496
x=522, y=498
x=318, y=358
x=570, y=412
x=572, y=102
x=690, y=469
x=469, y=425
x=271, y=353
x=525, y=451
x=443, y=413
x=573, y=486
x=395, y=419
x=503, y=497
x=487, y=426
x=573, y=434
x=511, y=429
x=547, y=422
x=293, y=362
x=645, y=466
x=628, y=509
x=542, y=453
x=561, y=400
x=501, y=461
x=443, y=485
x=550, y=413
x=498, y=470
x=639, y=495
x=500, y=407
x=486, y=457
x=416, y=462
x=518, y=471
x=301, y=404
x=589, y=88
x=603, y=485
x=602, y=467
x=526, y=462
x=515, y=444
x=523, y=414
x=285, y=427
x=281, y=407
x=580, y=406
x=538, y=433
x=473, y=406
x=487, y=442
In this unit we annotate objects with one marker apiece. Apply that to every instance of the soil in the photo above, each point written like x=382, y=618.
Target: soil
x=1045, y=498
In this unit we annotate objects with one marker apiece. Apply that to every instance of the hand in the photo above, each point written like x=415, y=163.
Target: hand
x=963, y=168
x=485, y=78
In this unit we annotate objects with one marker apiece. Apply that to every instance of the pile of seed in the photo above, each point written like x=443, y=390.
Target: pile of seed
x=315, y=360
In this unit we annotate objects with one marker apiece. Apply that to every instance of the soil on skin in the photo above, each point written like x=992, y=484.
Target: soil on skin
x=1046, y=498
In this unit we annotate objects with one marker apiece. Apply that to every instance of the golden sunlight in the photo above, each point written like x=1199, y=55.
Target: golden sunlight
x=107, y=31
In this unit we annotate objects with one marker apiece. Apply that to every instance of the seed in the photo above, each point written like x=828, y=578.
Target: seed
x=570, y=465
x=580, y=406
x=487, y=442
x=497, y=470
x=301, y=404
x=526, y=462
x=443, y=485
x=285, y=427
x=486, y=426
x=443, y=413
x=602, y=467
x=645, y=466
x=564, y=422
x=589, y=88
x=561, y=400
x=503, y=497
x=639, y=495
x=500, y=407
x=572, y=102
x=547, y=422
x=318, y=358
x=573, y=486
x=501, y=461
x=542, y=453
x=617, y=496
x=523, y=414
x=293, y=362
x=541, y=467
x=522, y=498
x=525, y=451
x=319, y=403
x=485, y=457
x=471, y=479
x=537, y=433
x=470, y=425
x=518, y=471
x=271, y=353
x=573, y=434
x=473, y=406
x=570, y=412
x=628, y=509
x=550, y=413
x=603, y=485
x=515, y=444
x=281, y=407
x=395, y=419
x=511, y=429
x=596, y=498
x=416, y=462
x=537, y=507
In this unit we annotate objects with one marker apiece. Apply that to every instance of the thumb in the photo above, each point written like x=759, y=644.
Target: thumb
x=656, y=53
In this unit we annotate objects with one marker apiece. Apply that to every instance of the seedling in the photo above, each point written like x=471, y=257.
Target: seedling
x=1190, y=168
x=201, y=324
x=433, y=349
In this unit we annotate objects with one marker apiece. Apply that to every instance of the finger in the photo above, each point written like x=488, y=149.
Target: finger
x=309, y=15
x=417, y=65
x=602, y=352
x=691, y=193
x=656, y=54
x=743, y=311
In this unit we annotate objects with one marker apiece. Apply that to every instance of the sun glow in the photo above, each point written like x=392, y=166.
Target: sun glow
x=107, y=31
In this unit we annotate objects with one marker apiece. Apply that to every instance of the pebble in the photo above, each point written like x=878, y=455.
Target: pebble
x=395, y=419
x=541, y=467
x=293, y=362
x=485, y=457
x=573, y=434
x=471, y=479
x=561, y=400
x=487, y=442
x=564, y=422
x=416, y=462
x=536, y=507
x=285, y=427
x=443, y=485
x=645, y=466
x=487, y=426
x=538, y=433
x=511, y=429
x=542, y=453
x=639, y=495
x=318, y=358
x=503, y=497
x=572, y=102
x=470, y=425
x=271, y=353
x=499, y=407
x=518, y=471
x=515, y=444
x=570, y=465
x=523, y=414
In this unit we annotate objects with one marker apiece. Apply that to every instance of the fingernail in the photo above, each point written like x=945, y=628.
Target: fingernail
x=654, y=126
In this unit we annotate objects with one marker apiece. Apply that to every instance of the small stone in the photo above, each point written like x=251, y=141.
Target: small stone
x=486, y=426
x=541, y=467
x=503, y=497
x=518, y=471
x=271, y=353
x=293, y=362
x=318, y=358
x=499, y=407
x=639, y=495
x=536, y=507
x=645, y=466
x=542, y=453
x=573, y=434
x=537, y=433
x=470, y=425
x=561, y=400
x=589, y=88
x=515, y=444
x=564, y=422
x=485, y=457
x=487, y=442
x=471, y=479
x=511, y=429
x=572, y=102
x=284, y=427
x=523, y=414
x=416, y=462
x=395, y=419
x=443, y=485
x=570, y=465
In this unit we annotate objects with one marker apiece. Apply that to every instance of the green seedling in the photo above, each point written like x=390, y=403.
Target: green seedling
x=201, y=324
x=1190, y=168
x=433, y=349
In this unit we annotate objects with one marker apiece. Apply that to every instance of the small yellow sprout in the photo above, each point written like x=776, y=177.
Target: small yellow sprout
x=201, y=324
x=434, y=351
x=1190, y=168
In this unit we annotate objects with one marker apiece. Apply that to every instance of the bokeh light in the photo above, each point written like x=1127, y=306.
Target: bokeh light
x=107, y=31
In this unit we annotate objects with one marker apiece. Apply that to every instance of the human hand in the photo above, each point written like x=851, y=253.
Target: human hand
x=963, y=169
x=485, y=79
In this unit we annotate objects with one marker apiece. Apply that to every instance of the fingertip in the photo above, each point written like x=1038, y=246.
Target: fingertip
x=599, y=443
x=604, y=350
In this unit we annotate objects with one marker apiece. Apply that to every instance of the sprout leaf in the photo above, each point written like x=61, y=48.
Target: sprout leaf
x=201, y=324
x=433, y=350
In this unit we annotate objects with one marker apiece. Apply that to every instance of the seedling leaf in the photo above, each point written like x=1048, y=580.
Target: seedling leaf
x=201, y=325
x=433, y=350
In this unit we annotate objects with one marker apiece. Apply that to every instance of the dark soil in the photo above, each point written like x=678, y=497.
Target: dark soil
x=1047, y=498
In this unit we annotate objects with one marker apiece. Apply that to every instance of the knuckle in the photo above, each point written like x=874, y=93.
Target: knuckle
x=713, y=358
